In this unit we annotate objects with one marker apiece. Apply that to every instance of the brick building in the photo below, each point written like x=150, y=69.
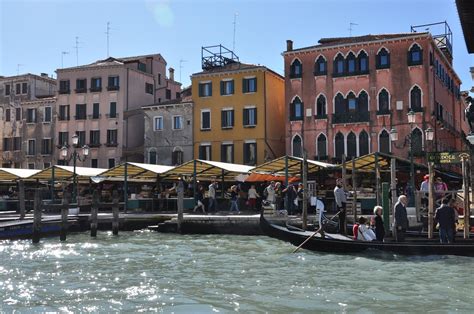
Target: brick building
x=345, y=95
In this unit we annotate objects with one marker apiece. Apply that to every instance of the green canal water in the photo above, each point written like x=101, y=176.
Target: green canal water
x=147, y=272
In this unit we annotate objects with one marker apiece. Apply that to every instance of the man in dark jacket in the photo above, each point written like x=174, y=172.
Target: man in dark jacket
x=400, y=223
x=446, y=217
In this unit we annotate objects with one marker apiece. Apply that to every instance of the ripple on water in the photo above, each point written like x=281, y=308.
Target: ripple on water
x=146, y=272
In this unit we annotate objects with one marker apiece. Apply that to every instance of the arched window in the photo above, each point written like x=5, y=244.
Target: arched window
x=351, y=145
x=152, y=157
x=383, y=59
x=321, y=107
x=297, y=149
x=415, y=55
x=320, y=67
x=415, y=99
x=363, y=62
x=417, y=142
x=351, y=63
x=296, y=109
x=383, y=101
x=339, y=104
x=339, y=65
x=351, y=102
x=296, y=69
x=339, y=145
x=363, y=102
x=384, y=142
x=177, y=156
x=363, y=143
x=322, y=152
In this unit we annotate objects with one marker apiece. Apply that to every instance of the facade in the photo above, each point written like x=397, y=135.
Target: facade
x=238, y=113
x=345, y=95
x=27, y=124
x=169, y=132
x=101, y=103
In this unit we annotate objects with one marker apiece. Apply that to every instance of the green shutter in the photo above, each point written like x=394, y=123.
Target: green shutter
x=255, y=115
x=244, y=86
x=255, y=84
x=222, y=118
x=246, y=116
x=200, y=90
x=222, y=87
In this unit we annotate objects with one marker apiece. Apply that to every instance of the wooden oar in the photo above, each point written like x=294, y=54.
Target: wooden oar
x=316, y=232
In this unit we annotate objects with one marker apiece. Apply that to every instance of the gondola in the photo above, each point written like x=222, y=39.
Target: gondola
x=339, y=244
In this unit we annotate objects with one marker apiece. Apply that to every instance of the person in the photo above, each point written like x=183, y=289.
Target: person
x=446, y=218
x=234, y=195
x=379, y=227
x=290, y=193
x=278, y=196
x=440, y=188
x=300, y=196
x=452, y=203
x=269, y=192
x=200, y=198
x=400, y=222
x=212, y=197
x=341, y=200
x=425, y=189
x=362, y=232
x=252, y=197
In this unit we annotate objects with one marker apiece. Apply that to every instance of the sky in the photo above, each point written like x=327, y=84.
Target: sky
x=34, y=34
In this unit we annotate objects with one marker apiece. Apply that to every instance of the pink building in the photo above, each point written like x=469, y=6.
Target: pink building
x=345, y=95
x=101, y=102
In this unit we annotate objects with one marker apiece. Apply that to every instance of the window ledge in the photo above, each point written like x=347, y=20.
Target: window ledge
x=205, y=130
x=250, y=126
x=247, y=93
x=46, y=122
x=227, y=95
x=157, y=130
x=30, y=123
x=227, y=127
x=111, y=144
x=177, y=129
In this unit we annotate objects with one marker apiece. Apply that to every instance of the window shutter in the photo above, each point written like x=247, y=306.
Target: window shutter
x=255, y=111
x=222, y=87
x=232, y=118
x=246, y=116
x=68, y=112
x=255, y=80
x=223, y=153
x=244, y=86
x=200, y=90
x=232, y=87
x=222, y=118
x=292, y=110
x=210, y=89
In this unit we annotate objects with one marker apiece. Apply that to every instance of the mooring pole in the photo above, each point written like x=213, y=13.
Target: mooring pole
x=430, y=200
x=393, y=189
x=94, y=213
x=180, y=204
x=125, y=188
x=52, y=185
x=64, y=215
x=37, y=217
x=354, y=188
x=377, y=179
x=21, y=198
x=305, y=190
x=385, y=207
x=115, y=213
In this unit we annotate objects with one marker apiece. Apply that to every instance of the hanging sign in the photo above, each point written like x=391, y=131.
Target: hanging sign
x=447, y=157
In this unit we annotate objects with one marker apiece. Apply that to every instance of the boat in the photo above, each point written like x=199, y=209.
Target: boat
x=340, y=244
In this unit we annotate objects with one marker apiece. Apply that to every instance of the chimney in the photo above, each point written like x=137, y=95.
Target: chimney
x=171, y=74
x=44, y=74
x=289, y=45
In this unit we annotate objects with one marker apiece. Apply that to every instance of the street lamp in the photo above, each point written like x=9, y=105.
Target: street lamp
x=75, y=156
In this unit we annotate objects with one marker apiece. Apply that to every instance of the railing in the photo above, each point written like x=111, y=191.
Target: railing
x=113, y=87
x=94, y=117
x=64, y=91
x=112, y=116
x=350, y=117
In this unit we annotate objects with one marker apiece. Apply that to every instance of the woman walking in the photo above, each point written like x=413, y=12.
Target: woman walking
x=234, y=206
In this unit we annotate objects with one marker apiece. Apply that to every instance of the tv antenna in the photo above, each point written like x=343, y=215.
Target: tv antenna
x=18, y=68
x=77, y=50
x=108, y=37
x=62, y=57
x=181, y=61
x=235, y=26
x=350, y=28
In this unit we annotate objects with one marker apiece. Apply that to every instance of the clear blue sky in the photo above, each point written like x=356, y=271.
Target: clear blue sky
x=34, y=33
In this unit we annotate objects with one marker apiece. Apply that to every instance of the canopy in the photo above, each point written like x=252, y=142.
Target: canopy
x=367, y=162
x=10, y=174
x=206, y=169
x=66, y=172
x=262, y=177
x=136, y=170
x=294, y=166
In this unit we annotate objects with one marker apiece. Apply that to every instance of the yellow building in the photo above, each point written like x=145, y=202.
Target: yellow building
x=238, y=113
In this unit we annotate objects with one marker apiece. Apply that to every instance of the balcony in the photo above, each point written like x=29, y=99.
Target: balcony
x=81, y=90
x=383, y=112
x=92, y=145
x=296, y=118
x=94, y=116
x=111, y=115
x=417, y=109
x=350, y=117
x=95, y=89
x=113, y=87
x=64, y=91
x=63, y=118
x=295, y=76
x=321, y=116
x=111, y=144
x=80, y=117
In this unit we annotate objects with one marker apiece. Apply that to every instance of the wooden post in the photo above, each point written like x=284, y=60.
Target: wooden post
x=37, y=217
x=21, y=198
x=180, y=189
x=354, y=187
x=465, y=187
x=386, y=207
x=125, y=188
x=64, y=215
x=377, y=179
x=94, y=213
x=430, y=200
x=115, y=213
x=305, y=191
x=393, y=187
x=344, y=174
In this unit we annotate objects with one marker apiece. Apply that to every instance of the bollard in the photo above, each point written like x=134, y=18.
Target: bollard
x=21, y=198
x=64, y=216
x=115, y=212
x=37, y=217
x=94, y=213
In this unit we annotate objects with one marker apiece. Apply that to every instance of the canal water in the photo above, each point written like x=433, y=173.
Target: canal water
x=145, y=272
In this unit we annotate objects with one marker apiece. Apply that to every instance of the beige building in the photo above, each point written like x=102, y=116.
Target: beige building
x=27, y=124
x=101, y=102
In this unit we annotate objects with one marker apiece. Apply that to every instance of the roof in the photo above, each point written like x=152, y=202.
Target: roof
x=66, y=172
x=136, y=58
x=206, y=169
x=111, y=61
x=335, y=41
x=10, y=174
x=294, y=166
x=136, y=170
x=236, y=66
x=178, y=101
x=466, y=16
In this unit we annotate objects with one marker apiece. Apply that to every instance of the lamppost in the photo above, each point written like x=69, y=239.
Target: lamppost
x=429, y=134
x=75, y=157
x=467, y=210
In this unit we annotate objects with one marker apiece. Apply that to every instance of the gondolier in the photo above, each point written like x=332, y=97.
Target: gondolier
x=341, y=200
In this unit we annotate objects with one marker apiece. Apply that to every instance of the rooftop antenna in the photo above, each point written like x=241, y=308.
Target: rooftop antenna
x=77, y=50
x=350, y=28
x=235, y=26
x=181, y=61
x=108, y=36
x=18, y=68
x=62, y=58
